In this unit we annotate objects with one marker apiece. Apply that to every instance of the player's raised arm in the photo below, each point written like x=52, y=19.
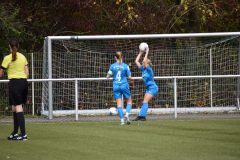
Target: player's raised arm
x=138, y=58
x=145, y=59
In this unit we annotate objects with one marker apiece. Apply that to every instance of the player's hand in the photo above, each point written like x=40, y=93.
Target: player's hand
x=147, y=49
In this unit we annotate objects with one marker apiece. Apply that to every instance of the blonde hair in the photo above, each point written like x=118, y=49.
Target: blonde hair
x=149, y=62
x=118, y=55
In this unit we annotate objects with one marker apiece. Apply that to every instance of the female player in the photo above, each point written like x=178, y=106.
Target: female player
x=16, y=66
x=152, y=88
x=120, y=72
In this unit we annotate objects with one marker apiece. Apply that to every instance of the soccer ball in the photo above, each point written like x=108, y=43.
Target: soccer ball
x=143, y=46
x=113, y=111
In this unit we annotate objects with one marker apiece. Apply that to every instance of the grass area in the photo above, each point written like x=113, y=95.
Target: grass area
x=217, y=139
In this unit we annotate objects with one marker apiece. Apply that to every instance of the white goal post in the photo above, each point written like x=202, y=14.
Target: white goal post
x=195, y=72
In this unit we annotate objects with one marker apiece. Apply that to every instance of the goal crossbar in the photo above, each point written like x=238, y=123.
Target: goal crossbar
x=179, y=35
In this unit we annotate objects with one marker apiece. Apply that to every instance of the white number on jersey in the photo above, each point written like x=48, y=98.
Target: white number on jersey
x=118, y=77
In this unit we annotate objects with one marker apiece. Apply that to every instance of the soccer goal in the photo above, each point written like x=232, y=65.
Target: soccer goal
x=184, y=67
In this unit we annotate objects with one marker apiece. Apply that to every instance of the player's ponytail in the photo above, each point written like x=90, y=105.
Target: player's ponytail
x=149, y=62
x=118, y=56
x=14, y=47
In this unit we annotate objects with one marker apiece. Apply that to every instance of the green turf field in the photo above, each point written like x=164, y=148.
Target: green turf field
x=217, y=139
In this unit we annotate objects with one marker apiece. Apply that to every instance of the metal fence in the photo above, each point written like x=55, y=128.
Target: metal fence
x=34, y=101
x=34, y=106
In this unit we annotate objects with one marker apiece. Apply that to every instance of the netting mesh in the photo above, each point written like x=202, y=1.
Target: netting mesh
x=34, y=98
x=170, y=57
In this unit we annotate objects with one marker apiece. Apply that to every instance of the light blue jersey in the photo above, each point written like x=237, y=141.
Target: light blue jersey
x=148, y=78
x=120, y=72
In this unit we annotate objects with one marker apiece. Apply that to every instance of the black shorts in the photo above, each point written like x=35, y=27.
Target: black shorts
x=18, y=90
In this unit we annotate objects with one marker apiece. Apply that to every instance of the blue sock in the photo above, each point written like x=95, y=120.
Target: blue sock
x=128, y=108
x=120, y=112
x=144, y=109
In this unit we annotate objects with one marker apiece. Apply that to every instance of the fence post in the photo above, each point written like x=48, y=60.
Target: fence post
x=76, y=99
x=238, y=79
x=50, y=93
x=211, y=90
x=175, y=97
x=33, y=88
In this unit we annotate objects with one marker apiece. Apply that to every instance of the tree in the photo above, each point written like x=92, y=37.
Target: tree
x=33, y=20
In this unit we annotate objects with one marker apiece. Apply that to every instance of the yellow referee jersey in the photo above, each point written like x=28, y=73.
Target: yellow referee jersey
x=15, y=69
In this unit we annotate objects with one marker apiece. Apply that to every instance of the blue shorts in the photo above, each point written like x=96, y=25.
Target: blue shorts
x=120, y=90
x=153, y=90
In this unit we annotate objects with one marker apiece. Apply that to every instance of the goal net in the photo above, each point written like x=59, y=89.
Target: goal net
x=187, y=55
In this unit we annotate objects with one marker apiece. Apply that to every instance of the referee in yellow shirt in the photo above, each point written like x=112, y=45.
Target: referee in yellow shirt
x=16, y=66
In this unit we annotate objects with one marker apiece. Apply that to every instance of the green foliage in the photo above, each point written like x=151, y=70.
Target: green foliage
x=9, y=22
x=205, y=16
x=32, y=20
x=10, y=26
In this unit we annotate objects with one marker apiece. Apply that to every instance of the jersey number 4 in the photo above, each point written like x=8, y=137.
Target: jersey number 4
x=118, y=77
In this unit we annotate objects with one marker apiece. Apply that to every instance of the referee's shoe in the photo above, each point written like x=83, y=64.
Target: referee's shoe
x=12, y=136
x=21, y=138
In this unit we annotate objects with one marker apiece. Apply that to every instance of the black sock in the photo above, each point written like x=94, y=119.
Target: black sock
x=15, y=123
x=21, y=122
